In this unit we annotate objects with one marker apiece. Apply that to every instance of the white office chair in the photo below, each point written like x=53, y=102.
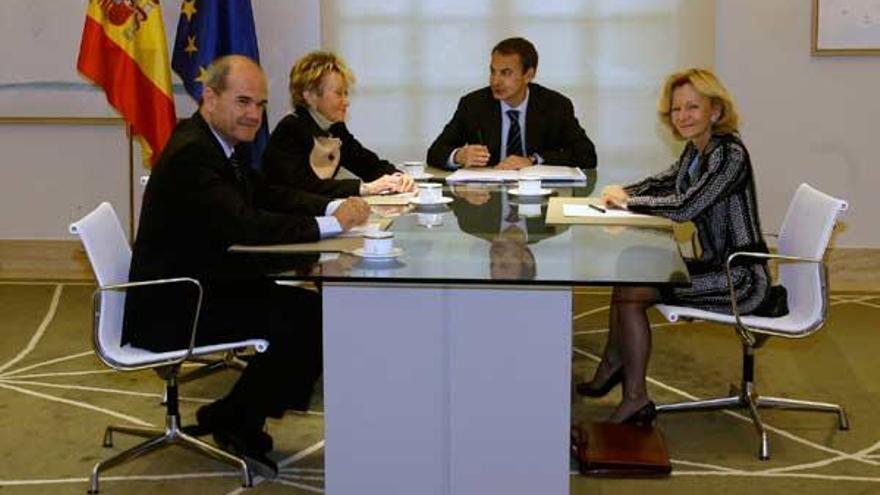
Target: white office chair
x=110, y=257
x=805, y=233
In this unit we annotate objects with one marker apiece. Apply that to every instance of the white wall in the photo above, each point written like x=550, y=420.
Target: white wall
x=805, y=119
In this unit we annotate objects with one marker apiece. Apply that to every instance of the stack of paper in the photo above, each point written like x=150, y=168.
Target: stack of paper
x=579, y=211
x=389, y=199
x=544, y=172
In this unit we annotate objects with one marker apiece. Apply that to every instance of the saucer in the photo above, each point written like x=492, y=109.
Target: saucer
x=422, y=177
x=418, y=201
x=541, y=192
x=395, y=252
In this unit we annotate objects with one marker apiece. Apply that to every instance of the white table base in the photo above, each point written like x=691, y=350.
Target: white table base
x=446, y=390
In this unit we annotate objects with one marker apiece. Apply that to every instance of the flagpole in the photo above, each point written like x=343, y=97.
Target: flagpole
x=130, y=184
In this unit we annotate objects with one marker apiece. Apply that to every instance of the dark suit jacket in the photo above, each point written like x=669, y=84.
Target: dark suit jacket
x=193, y=209
x=552, y=130
x=286, y=159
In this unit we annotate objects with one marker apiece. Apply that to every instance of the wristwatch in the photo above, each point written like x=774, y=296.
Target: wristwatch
x=536, y=159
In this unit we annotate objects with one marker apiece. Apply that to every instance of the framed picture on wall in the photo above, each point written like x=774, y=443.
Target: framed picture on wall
x=846, y=27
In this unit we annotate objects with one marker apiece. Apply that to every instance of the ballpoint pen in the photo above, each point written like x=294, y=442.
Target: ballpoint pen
x=597, y=208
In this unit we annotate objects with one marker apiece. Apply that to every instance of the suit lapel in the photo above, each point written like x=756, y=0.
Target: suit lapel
x=225, y=166
x=533, y=117
x=492, y=129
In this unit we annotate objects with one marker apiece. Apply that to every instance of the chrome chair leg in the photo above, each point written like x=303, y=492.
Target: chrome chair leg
x=751, y=401
x=136, y=451
x=129, y=430
x=701, y=405
x=221, y=455
x=806, y=405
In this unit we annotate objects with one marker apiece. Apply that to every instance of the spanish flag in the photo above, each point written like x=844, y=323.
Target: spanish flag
x=123, y=50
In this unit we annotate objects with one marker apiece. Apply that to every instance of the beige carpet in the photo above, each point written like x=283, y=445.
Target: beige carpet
x=56, y=398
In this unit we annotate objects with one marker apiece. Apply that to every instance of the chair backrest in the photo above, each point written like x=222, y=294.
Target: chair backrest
x=110, y=256
x=806, y=231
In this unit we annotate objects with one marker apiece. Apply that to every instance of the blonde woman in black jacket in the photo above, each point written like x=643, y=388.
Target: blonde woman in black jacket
x=308, y=146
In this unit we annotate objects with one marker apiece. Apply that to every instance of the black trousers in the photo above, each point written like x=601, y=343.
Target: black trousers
x=290, y=319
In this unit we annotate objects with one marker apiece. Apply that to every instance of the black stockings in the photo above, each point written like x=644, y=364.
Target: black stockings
x=629, y=345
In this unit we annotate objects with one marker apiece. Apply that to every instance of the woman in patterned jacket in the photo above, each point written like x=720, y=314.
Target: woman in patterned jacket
x=712, y=185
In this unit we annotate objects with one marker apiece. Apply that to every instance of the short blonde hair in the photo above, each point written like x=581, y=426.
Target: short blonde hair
x=707, y=84
x=308, y=72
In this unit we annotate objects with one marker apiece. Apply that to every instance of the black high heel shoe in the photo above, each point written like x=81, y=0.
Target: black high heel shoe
x=645, y=416
x=591, y=390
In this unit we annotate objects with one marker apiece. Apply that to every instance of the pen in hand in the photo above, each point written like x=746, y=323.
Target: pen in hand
x=597, y=208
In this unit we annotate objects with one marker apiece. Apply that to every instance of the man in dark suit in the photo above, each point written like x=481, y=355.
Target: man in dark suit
x=513, y=123
x=198, y=202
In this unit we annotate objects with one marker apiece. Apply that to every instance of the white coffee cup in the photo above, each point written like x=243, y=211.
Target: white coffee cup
x=430, y=193
x=529, y=184
x=429, y=219
x=414, y=168
x=378, y=242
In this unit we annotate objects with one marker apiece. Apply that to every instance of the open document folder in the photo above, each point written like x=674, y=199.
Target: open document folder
x=554, y=173
x=579, y=211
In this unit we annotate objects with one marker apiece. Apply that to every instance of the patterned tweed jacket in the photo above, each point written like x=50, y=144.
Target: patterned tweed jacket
x=720, y=200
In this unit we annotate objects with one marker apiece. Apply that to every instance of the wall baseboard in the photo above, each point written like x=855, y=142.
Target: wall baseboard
x=44, y=260
x=856, y=269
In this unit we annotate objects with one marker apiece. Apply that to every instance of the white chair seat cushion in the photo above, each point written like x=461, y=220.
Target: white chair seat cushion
x=783, y=324
x=136, y=356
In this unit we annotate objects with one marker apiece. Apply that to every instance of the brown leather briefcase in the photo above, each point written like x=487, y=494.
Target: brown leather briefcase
x=616, y=450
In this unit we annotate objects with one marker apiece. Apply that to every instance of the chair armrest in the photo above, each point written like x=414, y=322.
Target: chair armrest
x=146, y=283
x=742, y=328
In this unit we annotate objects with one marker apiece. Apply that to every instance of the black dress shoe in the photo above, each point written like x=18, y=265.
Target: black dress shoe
x=216, y=417
x=242, y=445
x=644, y=416
x=592, y=389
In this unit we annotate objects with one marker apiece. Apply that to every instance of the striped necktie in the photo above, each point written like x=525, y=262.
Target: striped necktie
x=514, y=135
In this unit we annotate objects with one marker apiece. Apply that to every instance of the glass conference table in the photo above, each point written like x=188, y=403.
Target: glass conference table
x=447, y=370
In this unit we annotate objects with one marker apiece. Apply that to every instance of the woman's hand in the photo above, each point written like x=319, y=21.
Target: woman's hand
x=614, y=196
x=406, y=183
x=391, y=183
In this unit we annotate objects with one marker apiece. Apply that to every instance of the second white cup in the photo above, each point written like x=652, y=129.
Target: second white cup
x=378, y=242
x=430, y=193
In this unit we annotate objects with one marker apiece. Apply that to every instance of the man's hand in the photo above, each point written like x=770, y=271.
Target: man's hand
x=614, y=196
x=472, y=155
x=352, y=212
x=514, y=162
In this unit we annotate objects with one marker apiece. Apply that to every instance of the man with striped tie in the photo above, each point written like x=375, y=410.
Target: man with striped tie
x=513, y=122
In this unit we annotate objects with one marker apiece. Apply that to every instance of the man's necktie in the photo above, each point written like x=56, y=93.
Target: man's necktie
x=238, y=169
x=514, y=135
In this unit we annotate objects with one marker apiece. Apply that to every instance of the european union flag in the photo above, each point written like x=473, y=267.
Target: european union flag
x=207, y=30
